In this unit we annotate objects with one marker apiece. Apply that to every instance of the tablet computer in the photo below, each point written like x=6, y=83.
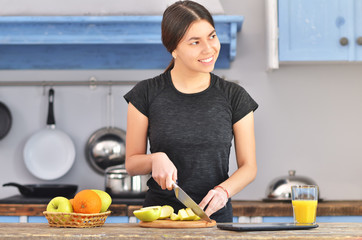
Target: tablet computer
x=264, y=226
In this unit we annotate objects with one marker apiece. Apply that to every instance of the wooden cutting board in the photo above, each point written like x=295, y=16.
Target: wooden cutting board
x=178, y=224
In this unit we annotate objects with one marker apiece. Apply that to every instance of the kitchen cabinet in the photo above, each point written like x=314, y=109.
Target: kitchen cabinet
x=314, y=30
x=97, y=42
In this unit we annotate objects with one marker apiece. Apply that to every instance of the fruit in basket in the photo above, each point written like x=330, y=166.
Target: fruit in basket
x=87, y=201
x=166, y=212
x=105, y=198
x=60, y=204
x=148, y=214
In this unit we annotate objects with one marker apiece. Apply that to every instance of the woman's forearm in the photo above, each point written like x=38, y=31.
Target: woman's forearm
x=240, y=179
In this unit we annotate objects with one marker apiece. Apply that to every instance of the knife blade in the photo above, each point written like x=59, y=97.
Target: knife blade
x=188, y=202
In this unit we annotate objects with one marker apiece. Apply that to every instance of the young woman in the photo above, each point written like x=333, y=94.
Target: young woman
x=190, y=117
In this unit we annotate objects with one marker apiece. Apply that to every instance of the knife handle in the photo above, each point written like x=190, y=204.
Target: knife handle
x=174, y=184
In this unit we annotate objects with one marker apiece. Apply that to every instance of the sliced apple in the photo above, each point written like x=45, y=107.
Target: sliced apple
x=166, y=212
x=184, y=216
x=175, y=217
x=148, y=214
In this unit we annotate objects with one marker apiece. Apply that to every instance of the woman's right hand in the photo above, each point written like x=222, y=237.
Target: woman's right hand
x=164, y=171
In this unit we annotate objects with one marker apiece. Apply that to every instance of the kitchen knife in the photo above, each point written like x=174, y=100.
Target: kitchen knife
x=188, y=202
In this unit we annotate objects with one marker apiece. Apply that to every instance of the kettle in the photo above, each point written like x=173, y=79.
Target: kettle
x=280, y=188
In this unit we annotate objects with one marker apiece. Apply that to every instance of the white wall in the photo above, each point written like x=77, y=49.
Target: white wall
x=308, y=119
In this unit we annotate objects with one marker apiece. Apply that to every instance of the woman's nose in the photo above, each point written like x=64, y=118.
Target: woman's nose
x=207, y=47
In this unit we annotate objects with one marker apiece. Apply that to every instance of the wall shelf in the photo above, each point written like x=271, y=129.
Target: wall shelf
x=97, y=42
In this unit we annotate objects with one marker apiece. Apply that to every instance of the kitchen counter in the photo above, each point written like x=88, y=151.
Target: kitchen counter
x=134, y=231
x=240, y=208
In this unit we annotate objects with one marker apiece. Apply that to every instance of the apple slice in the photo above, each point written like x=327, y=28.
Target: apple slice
x=184, y=216
x=192, y=214
x=174, y=217
x=148, y=214
x=166, y=212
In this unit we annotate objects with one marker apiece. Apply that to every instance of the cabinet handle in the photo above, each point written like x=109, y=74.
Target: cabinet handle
x=343, y=41
x=359, y=40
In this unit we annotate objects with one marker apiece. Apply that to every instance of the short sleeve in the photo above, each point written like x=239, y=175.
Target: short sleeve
x=241, y=102
x=138, y=96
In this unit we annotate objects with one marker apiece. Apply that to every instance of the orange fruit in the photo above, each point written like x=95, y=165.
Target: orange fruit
x=87, y=201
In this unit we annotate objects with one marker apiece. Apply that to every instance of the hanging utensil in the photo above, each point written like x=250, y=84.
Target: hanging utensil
x=106, y=147
x=5, y=120
x=49, y=153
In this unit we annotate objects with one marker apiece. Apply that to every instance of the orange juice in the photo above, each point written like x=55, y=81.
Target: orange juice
x=304, y=211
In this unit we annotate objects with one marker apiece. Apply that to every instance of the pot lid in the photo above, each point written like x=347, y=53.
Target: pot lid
x=280, y=188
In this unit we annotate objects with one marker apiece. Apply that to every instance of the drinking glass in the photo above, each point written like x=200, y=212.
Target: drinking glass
x=305, y=201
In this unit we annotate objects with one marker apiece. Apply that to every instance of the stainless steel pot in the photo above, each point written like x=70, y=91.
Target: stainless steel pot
x=120, y=184
x=280, y=188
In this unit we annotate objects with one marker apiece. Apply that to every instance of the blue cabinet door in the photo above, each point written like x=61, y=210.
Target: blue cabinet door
x=311, y=30
x=358, y=29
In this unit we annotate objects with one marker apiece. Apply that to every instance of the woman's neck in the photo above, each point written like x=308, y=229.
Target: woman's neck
x=190, y=82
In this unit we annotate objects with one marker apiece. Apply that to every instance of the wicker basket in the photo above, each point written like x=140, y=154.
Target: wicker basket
x=76, y=220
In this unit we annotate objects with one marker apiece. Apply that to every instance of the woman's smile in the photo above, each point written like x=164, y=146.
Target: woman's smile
x=207, y=60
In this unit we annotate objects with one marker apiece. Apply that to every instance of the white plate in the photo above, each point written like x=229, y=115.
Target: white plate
x=49, y=154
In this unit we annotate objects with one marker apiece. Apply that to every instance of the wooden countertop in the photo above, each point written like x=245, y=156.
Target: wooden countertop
x=134, y=231
x=240, y=208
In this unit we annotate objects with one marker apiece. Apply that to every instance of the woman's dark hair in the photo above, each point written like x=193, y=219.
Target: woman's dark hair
x=176, y=20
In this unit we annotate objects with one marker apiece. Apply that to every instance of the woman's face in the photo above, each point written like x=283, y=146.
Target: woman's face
x=198, y=49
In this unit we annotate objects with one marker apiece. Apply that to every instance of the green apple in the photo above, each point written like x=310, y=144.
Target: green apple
x=106, y=199
x=166, y=212
x=148, y=214
x=60, y=204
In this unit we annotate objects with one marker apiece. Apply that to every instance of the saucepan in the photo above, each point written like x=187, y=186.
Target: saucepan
x=120, y=184
x=106, y=147
x=45, y=190
x=49, y=153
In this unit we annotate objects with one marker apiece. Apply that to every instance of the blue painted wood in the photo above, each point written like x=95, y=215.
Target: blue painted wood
x=103, y=42
x=117, y=219
x=310, y=30
x=9, y=219
x=37, y=219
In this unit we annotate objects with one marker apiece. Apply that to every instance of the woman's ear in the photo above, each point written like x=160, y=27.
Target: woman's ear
x=174, y=55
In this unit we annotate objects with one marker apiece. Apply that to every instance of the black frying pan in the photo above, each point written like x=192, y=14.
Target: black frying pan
x=45, y=190
x=5, y=120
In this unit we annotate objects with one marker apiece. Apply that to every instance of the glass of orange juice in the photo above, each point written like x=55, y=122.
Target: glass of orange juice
x=305, y=201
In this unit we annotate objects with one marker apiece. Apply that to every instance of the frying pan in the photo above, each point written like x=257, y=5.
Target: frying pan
x=49, y=153
x=45, y=190
x=5, y=120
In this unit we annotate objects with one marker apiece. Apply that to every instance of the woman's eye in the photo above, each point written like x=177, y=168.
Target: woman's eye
x=194, y=43
x=213, y=36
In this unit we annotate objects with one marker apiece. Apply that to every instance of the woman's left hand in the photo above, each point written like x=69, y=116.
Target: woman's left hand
x=216, y=199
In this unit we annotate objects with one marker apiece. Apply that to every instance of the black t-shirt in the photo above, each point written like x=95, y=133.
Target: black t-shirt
x=194, y=130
